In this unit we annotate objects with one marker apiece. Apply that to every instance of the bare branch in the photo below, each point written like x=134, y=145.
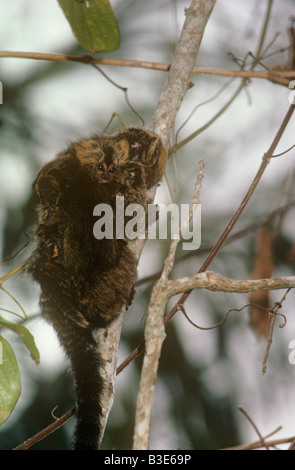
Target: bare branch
x=258, y=444
x=45, y=432
x=218, y=283
x=155, y=332
x=272, y=316
x=225, y=234
x=108, y=340
x=275, y=76
x=174, y=90
x=245, y=413
x=12, y=272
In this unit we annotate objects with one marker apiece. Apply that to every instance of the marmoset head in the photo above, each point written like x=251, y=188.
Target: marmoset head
x=107, y=162
x=101, y=158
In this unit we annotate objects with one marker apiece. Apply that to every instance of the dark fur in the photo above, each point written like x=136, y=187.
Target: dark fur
x=84, y=281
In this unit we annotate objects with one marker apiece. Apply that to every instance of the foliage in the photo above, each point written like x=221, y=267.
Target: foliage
x=93, y=23
x=10, y=382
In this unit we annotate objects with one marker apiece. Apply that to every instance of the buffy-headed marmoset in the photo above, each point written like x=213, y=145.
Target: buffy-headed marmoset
x=85, y=281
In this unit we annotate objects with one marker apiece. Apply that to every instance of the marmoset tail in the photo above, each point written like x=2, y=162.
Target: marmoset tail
x=84, y=281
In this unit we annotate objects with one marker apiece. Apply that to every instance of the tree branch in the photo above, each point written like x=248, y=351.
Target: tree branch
x=217, y=283
x=222, y=239
x=174, y=90
x=276, y=76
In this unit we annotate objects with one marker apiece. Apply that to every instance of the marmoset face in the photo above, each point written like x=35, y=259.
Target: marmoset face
x=107, y=165
x=102, y=158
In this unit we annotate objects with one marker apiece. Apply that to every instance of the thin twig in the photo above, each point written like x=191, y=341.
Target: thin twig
x=182, y=143
x=12, y=272
x=220, y=242
x=272, y=316
x=198, y=106
x=273, y=76
x=263, y=31
x=170, y=259
x=25, y=316
x=283, y=153
x=124, y=89
x=236, y=236
x=254, y=426
x=45, y=432
x=258, y=444
x=205, y=328
x=292, y=445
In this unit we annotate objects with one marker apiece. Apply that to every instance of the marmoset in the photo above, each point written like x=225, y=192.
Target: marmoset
x=85, y=281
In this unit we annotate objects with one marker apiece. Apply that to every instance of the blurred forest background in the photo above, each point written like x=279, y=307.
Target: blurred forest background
x=204, y=375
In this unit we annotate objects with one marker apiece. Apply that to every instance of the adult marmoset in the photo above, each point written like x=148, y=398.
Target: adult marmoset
x=84, y=281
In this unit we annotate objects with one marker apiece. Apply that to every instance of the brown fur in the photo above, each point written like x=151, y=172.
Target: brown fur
x=84, y=281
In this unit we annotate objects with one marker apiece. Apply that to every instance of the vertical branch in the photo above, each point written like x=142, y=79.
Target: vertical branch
x=108, y=340
x=155, y=331
x=180, y=71
x=173, y=93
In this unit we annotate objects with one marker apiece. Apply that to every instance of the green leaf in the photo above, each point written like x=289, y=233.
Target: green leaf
x=10, y=383
x=25, y=335
x=93, y=23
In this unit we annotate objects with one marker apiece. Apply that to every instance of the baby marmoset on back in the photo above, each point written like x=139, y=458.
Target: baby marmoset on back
x=84, y=281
